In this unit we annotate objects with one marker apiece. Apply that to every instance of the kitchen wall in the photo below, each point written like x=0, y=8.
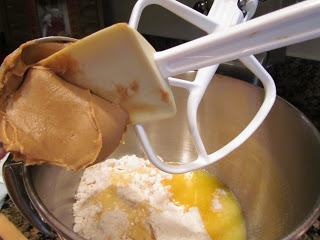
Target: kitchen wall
x=158, y=21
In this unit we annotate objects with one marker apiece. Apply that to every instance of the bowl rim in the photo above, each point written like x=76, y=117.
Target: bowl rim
x=43, y=211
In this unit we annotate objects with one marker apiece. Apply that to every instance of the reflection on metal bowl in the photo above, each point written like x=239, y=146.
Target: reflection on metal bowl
x=273, y=174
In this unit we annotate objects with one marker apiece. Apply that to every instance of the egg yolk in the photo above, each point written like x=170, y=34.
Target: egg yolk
x=219, y=209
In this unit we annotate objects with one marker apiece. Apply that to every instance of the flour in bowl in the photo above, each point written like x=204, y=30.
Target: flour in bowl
x=126, y=199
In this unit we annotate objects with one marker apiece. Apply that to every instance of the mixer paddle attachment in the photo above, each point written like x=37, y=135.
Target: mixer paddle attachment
x=230, y=36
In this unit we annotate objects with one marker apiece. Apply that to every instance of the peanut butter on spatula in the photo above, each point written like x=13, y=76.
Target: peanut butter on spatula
x=44, y=119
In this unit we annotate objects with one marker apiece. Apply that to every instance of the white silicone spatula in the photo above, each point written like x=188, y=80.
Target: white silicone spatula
x=117, y=63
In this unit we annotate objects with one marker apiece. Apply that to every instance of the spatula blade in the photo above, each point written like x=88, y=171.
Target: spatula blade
x=117, y=64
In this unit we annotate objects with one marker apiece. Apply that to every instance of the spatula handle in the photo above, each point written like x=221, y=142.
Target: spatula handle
x=297, y=23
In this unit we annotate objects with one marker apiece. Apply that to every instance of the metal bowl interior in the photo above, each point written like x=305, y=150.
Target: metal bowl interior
x=274, y=175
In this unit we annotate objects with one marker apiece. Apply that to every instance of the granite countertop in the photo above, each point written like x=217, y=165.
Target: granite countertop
x=297, y=80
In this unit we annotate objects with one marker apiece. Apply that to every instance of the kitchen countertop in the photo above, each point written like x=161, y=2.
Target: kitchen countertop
x=297, y=81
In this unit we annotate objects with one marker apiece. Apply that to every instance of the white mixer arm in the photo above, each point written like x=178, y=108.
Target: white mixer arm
x=297, y=23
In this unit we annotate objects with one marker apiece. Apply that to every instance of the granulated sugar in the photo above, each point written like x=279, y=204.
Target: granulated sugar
x=125, y=199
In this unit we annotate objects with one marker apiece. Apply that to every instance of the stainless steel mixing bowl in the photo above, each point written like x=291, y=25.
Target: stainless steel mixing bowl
x=274, y=175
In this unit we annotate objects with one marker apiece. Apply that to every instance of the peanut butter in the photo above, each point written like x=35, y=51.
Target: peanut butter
x=44, y=119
